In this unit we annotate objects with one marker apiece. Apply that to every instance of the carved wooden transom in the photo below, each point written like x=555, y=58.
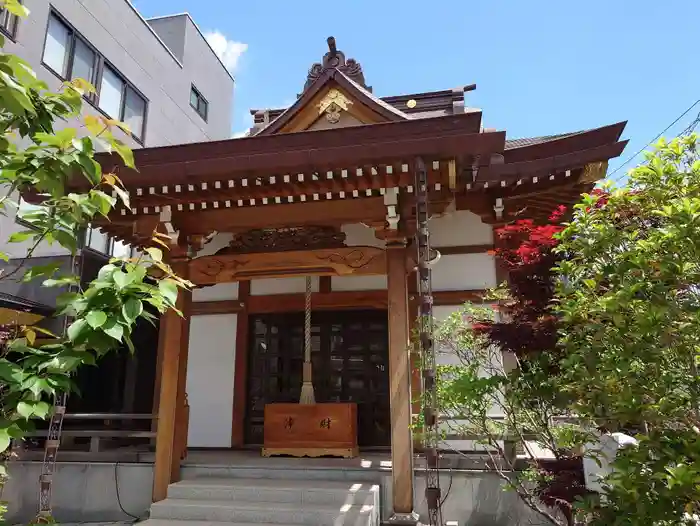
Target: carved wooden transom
x=285, y=239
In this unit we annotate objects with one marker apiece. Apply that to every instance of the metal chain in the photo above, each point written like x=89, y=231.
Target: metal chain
x=53, y=437
x=427, y=349
x=307, y=321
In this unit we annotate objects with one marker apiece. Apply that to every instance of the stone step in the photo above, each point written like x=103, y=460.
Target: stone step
x=266, y=513
x=275, y=491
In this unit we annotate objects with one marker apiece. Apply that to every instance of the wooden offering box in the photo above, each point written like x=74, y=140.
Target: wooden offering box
x=310, y=430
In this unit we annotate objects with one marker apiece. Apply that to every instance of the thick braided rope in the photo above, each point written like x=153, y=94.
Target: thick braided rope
x=307, y=322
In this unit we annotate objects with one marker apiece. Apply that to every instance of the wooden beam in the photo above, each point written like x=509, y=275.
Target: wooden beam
x=218, y=307
x=240, y=373
x=293, y=214
x=400, y=385
x=342, y=261
x=341, y=300
x=457, y=297
x=173, y=343
x=464, y=249
x=338, y=300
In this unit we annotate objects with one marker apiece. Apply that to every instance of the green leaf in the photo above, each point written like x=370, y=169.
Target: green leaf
x=41, y=409
x=168, y=289
x=76, y=329
x=103, y=201
x=116, y=331
x=96, y=318
x=61, y=281
x=124, y=152
x=19, y=237
x=16, y=8
x=91, y=169
x=4, y=439
x=132, y=309
x=121, y=279
x=41, y=270
x=25, y=410
x=155, y=253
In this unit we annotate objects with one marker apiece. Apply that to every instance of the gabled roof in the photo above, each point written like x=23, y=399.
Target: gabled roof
x=328, y=78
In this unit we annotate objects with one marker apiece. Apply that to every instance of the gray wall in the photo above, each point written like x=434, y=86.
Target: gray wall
x=119, y=33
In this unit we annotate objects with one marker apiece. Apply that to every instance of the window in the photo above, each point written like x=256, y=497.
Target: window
x=105, y=245
x=8, y=23
x=134, y=111
x=111, y=93
x=120, y=250
x=70, y=56
x=57, y=46
x=83, y=62
x=98, y=241
x=199, y=103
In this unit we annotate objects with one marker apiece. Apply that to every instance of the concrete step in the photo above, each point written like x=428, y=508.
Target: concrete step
x=170, y=522
x=266, y=513
x=287, y=473
x=331, y=493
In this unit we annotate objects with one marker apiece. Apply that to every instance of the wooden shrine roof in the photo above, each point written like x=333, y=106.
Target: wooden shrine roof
x=286, y=175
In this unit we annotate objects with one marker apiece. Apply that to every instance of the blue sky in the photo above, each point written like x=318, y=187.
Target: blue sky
x=541, y=67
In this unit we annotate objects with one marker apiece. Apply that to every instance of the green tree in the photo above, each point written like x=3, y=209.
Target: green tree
x=608, y=340
x=629, y=314
x=44, y=164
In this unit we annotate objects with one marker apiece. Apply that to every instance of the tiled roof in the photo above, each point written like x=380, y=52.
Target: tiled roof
x=531, y=141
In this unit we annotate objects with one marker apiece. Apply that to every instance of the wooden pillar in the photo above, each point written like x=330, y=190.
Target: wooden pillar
x=173, y=343
x=240, y=372
x=400, y=386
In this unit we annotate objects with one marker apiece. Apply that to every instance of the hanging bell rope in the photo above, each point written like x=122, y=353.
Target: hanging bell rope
x=307, y=388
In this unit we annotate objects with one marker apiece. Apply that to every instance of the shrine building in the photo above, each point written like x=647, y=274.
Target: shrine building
x=327, y=189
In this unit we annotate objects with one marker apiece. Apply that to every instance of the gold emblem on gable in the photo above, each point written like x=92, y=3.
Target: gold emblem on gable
x=332, y=104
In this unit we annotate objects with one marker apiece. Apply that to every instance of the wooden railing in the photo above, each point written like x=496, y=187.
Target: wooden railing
x=96, y=435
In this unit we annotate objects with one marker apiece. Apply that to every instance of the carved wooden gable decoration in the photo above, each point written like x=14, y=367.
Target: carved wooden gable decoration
x=335, y=95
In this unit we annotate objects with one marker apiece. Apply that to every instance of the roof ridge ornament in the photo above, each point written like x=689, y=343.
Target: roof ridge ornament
x=335, y=59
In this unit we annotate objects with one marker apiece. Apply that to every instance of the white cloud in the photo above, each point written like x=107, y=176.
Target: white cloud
x=229, y=51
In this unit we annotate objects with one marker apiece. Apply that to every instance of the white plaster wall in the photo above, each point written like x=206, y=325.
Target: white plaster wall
x=457, y=228
x=357, y=234
x=218, y=292
x=446, y=357
x=464, y=272
x=378, y=282
x=210, y=370
x=264, y=287
x=219, y=241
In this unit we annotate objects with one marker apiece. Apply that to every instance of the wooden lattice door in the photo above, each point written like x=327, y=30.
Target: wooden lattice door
x=350, y=364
